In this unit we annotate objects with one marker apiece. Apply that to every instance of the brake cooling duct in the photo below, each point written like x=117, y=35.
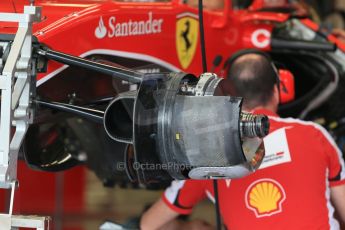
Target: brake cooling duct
x=176, y=128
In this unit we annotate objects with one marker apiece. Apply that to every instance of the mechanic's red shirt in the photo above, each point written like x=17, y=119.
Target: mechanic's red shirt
x=291, y=189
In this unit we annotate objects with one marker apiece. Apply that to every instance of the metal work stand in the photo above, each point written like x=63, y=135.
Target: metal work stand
x=17, y=221
x=13, y=222
x=17, y=83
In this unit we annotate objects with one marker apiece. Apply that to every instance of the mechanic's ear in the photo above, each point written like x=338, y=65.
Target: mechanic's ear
x=276, y=95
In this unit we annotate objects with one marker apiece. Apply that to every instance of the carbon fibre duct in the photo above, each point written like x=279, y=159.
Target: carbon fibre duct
x=179, y=130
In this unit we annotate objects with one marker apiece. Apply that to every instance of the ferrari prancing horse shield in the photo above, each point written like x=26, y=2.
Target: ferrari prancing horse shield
x=187, y=30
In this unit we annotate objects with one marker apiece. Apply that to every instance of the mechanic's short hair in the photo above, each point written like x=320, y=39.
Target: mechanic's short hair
x=252, y=76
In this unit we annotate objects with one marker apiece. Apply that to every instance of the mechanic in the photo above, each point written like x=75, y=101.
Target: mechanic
x=296, y=186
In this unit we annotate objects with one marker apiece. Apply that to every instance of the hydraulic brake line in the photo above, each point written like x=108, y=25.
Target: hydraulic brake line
x=204, y=66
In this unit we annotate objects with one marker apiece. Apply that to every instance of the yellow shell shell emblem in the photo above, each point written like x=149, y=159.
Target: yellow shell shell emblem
x=265, y=197
x=187, y=31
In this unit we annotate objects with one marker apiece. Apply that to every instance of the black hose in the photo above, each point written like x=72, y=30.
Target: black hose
x=202, y=37
x=216, y=203
x=204, y=67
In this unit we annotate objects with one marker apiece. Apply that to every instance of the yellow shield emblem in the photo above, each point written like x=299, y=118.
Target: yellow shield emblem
x=265, y=197
x=187, y=30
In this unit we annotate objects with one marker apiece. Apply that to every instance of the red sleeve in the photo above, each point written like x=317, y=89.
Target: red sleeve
x=335, y=159
x=181, y=196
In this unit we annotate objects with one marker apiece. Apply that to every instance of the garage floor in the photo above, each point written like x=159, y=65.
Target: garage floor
x=76, y=199
x=118, y=205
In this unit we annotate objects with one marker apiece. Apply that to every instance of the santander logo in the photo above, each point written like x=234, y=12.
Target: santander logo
x=100, y=31
x=124, y=27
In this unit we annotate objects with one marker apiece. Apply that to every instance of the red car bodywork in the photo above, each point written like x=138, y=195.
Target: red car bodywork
x=71, y=27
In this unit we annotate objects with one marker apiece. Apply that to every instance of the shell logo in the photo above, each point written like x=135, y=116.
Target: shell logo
x=265, y=197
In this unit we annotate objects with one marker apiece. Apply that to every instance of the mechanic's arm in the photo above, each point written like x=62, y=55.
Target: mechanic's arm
x=160, y=216
x=177, y=199
x=338, y=199
x=336, y=173
x=157, y=216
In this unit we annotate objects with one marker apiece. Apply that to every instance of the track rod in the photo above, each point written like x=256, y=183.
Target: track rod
x=87, y=113
x=116, y=72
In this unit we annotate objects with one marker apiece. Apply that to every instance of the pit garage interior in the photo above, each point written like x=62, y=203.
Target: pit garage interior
x=105, y=102
x=84, y=203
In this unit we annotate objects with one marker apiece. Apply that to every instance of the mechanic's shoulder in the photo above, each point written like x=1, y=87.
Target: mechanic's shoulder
x=298, y=123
